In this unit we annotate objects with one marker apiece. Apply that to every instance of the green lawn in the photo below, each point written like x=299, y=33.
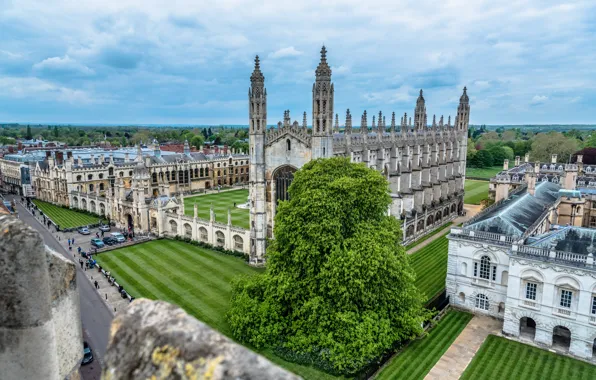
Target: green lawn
x=486, y=173
x=64, y=217
x=418, y=358
x=221, y=202
x=426, y=237
x=476, y=191
x=194, y=278
x=502, y=359
x=430, y=264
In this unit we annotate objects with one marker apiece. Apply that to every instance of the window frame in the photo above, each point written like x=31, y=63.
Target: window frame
x=564, y=299
x=529, y=292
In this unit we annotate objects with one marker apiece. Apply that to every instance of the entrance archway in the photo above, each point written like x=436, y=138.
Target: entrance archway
x=130, y=222
x=527, y=328
x=561, y=338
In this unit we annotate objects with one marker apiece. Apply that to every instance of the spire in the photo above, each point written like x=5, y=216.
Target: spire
x=441, y=122
x=257, y=76
x=420, y=99
x=323, y=71
x=393, y=123
x=404, y=123
x=287, y=119
x=304, y=125
x=336, y=128
x=434, y=122
x=449, y=121
x=380, y=127
x=464, y=97
x=186, y=148
x=348, y=128
x=374, y=124
x=364, y=125
x=420, y=113
x=156, y=148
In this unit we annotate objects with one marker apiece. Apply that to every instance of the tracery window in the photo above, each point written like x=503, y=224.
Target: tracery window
x=482, y=302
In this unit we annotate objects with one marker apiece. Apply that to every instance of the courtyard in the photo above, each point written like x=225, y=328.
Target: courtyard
x=501, y=359
x=430, y=265
x=221, y=202
x=65, y=218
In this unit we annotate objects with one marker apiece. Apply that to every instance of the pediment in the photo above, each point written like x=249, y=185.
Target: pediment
x=282, y=133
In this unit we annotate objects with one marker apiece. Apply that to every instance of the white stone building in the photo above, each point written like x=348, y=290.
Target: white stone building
x=515, y=263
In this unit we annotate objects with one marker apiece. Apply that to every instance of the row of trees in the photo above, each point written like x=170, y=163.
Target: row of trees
x=75, y=136
x=490, y=148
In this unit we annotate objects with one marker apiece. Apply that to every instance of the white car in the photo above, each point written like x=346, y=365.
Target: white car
x=84, y=231
x=118, y=236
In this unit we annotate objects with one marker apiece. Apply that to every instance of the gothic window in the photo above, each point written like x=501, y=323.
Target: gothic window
x=196, y=172
x=202, y=173
x=100, y=176
x=173, y=175
x=318, y=106
x=258, y=125
x=566, y=296
x=288, y=145
x=154, y=177
x=111, y=171
x=101, y=187
x=90, y=177
x=91, y=187
x=531, y=291
x=168, y=176
x=79, y=178
x=324, y=106
x=482, y=302
x=121, y=174
x=130, y=173
x=206, y=171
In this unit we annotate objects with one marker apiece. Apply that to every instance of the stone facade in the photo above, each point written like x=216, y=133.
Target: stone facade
x=425, y=165
x=513, y=262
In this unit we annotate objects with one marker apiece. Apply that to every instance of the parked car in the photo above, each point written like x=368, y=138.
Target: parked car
x=108, y=240
x=104, y=227
x=97, y=243
x=84, y=231
x=87, y=354
x=119, y=237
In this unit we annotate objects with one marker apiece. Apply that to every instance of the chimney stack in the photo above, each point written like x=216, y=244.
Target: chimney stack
x=517, y=160
x=553, y=159
x=527, y=158
x=506, y=164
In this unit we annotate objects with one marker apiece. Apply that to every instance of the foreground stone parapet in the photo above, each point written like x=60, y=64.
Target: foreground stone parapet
x=157, y=340
x=40, y=326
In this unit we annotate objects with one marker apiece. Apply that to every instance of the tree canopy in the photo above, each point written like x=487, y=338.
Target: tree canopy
x=338, y=288
x=547, y=144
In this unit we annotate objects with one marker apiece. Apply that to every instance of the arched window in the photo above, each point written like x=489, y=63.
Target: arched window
x=101, y=186
x=206, y=172
x=130, y=173
x=288, y=145
x=484, y=267
x=100, y=176
x=79, y=178
x=482, y=302
x=91, y=187
x=90, y=177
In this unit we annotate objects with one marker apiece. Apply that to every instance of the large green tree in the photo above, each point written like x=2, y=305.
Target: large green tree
x=338, y=288
x=546, y=144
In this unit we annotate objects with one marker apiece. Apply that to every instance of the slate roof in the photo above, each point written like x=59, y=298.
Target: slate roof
x=517, y=213
x=567, y=239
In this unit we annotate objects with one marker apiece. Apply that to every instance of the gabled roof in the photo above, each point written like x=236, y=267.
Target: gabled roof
x=518, y=212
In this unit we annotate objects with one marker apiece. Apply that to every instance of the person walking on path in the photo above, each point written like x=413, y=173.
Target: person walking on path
x=72, y=240
x=69, y=242
x=96, y=285
x=81, y=262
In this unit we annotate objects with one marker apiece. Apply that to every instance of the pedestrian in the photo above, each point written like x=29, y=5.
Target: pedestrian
x=79, y=250
x=81, y=262
x=69, y=242
x=70, y=248
x=102, y=234
x=72, y=240
x=96, y=285
x=97, y=235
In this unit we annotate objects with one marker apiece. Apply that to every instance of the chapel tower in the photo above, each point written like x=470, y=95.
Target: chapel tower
x=322, y=110
x=257, y=119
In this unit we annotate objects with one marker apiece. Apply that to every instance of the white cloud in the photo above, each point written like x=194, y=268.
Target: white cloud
x=35, y=88
x=62, y=65
x=539, y=99
x=285, y=52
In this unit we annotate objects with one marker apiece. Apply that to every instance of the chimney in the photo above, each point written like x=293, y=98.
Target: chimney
x=68, y=154
x=225, y=149
x=517, y=160
x=59, y=157
x=553, y=159
x=580, y=158
x=20, y=146
x=11, y=149
x=527, y=158
x=506, y=164
x=536, y=167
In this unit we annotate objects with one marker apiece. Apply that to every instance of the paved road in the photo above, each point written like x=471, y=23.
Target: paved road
x=95, y=316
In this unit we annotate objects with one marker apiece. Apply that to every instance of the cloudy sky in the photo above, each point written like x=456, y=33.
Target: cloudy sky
x=189, y=61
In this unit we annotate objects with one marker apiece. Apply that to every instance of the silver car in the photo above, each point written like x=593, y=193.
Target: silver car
x=84, y=231
x=105, y=227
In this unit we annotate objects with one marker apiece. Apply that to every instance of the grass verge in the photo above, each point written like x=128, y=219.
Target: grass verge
x=426, y=237
x=64, y=217
x=475, y=191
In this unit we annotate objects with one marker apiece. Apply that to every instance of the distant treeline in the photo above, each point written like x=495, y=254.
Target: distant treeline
x=539, y=127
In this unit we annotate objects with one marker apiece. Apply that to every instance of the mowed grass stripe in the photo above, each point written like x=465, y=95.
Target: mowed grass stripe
x=219, y=263
x=475, y=191
x=502, y=359
x=65, y=218
x=221, y=203
x=430, y=265
x=418, y=358
x=134, y=284
x=181, y=291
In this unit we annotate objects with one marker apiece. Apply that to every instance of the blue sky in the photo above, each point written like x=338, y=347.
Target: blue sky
x=179, y=62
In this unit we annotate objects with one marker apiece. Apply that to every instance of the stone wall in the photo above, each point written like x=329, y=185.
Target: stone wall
x=157, y=340
x=40, y=324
